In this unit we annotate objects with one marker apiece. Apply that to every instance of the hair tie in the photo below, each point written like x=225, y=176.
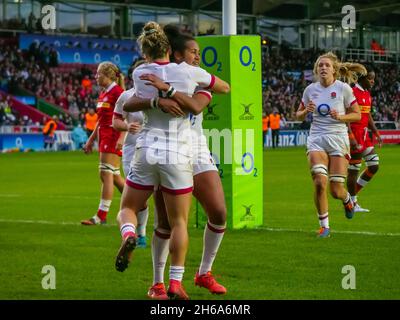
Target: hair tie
x=148, y=32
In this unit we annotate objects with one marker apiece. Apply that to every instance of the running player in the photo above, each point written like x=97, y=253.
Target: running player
x=332, y=104
x=163, y=156
x=360, y=142
x=130, y=124
x=111, y=80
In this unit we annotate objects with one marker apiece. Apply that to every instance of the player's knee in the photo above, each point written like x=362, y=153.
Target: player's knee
x=336, y=192
x=106, y=168
x=320, y=183
x=371, y=160
x=373, y=169
x=355, y=165
x=217, y=216
x=319, y=170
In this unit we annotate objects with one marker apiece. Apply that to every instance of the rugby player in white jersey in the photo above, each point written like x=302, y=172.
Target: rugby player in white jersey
x=163, y=155
x=332, y=104
x=130, y=124
x=207, y=183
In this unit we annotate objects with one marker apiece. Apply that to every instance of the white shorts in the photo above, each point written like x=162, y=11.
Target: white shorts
x=333, y=145
x=202, y=159
x=128, y=150
x=148, y=171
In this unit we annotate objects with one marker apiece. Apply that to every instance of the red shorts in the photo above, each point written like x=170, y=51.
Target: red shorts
x=108, y=138
x=363, y=140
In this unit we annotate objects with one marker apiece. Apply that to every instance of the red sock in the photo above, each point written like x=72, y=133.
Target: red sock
x=102, y=214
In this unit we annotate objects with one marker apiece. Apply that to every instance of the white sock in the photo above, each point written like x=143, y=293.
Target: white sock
x=213, y=235
x=127, y=229
x=159, y=251
x=347, y=198
x=354, y=199
x=105, y=205
x=324, y=220
x=176, y=273
x=142, y=222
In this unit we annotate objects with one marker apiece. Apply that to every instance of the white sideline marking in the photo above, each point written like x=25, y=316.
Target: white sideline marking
x=365, y=233
x=53, y=196
x=64, y=223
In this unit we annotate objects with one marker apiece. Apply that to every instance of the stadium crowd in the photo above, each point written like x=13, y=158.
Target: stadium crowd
x=286, y=73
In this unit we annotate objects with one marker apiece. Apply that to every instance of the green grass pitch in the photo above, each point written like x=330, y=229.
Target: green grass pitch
x=43, y=196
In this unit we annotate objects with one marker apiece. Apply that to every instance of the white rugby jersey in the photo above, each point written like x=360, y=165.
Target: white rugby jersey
x=162, y=130
x=129, y=117
x=338, y=96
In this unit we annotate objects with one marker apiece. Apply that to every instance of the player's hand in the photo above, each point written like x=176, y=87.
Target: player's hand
x=380, y=142
x=154, y=81
x=120, y=144
x=353, y=144
x=88, y=147
x=134, y=127
x=335, y=115
x=310, y=107
x=170, y=106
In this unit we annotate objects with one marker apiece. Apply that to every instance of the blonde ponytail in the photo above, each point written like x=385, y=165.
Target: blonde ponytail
x=350, y=72
x=345, y=71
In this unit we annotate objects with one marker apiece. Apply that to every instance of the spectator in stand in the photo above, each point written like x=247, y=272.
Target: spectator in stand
x=87, y=84
x=49, y=130
x=90, y=121
x=79, y=136
x=274, y=120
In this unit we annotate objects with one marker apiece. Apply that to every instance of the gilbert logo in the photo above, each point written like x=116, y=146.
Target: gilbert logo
x=210, y=115
x=247, y=216
x=246, y=115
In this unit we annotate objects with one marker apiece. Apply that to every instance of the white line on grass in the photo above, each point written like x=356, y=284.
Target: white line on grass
x=51, y=196
x=64, y=223
x=365, y=233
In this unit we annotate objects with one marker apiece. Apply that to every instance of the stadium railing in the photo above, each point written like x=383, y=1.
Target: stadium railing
x=367, y=55
x=63, y=140
x=386, y=125
x=20, y=129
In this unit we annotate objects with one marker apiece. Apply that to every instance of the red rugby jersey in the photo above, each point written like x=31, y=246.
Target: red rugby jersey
x=106, y=104
x=364, y=100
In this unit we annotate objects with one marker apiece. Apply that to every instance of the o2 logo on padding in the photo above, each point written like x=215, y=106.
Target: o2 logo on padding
x=323, y=109
x=249, y=58
x=213, y=61
x=248, y=166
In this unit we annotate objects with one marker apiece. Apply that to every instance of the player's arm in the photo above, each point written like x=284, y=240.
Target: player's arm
x=373, y=128
x=219, y=86
x=353, y=114
x=193, y=105
x=87, y=148
x=135, y=104
x=352, y=138
x=118, y=122
x=303, y=110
